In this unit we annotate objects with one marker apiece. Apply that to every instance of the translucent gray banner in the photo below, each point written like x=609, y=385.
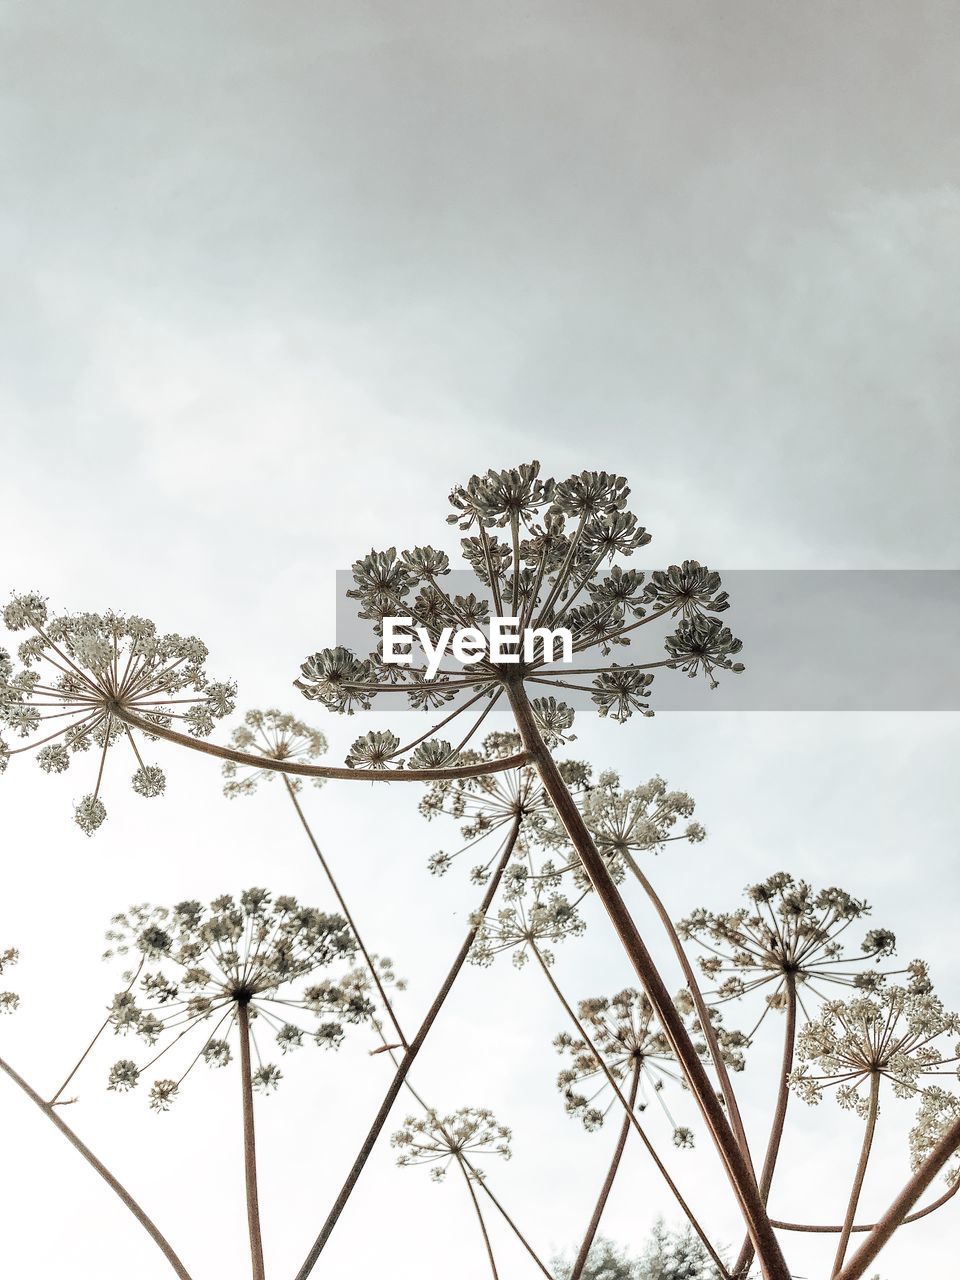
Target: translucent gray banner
x=813, y=640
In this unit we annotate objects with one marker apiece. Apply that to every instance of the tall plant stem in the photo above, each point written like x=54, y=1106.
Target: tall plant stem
x=630, y=1114
x=117, y=1187
x=371, y=967
x=594, y=1224
x=483, y=1225
x=739, y=1172
x=896, y=1215
x=249, y=1144
x=745, y=1257
x=416, y=1044
x=298, y=769
x=700, y=1004
x=860, y=1174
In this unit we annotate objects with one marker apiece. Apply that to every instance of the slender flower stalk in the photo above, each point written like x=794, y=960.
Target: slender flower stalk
x=152, y=1230
x=249, y=1143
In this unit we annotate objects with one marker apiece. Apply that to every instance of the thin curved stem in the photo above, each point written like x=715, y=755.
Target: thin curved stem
x=895, y=1215
x=371, y=967
x=116, y=1186
x=482, y=1183
x=249, y=1145
x=416, y=1044
x=703, y=1013
x=483, y=1225
x=745, y=1257
x=739, y=1171
x=594, y=1224
x=860, y=1173
x=319, y=770
x=871, y=1226
x=83, y=1057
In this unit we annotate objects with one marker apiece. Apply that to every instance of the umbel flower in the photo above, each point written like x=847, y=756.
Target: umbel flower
x=82, y=673
x=9, y=1000
x=463, y=1136
x=203, y=971
x=546, y=553
x=789, y=937
x=626, y=821
x=896, y=1035
x=489, y=805
x=937, y=1111
x=524, y=928
x=278, y=736
x=625, y=1039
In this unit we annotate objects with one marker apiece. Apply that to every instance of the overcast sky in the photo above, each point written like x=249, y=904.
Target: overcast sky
x=274, y=278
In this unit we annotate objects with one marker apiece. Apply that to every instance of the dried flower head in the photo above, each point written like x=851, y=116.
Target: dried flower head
x=626, y=821
x=9, y=1000
x=789, y=937
x=463, y=1136
x=895, y=1035
x=491, y=804
x=198, y=965
x=625, y=1040
x=938, y=1110
x=83, y=674
x=278, y=736
x=545, y=554
x=526, y=928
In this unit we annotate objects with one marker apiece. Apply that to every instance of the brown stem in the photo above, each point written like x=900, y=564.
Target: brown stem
x=482, y=1184
x=318, y=770
x=147, y=1223
x=739, y=1172
x=860, y=1174
x=901, y=1206
x=249, y=1144
x=406, y=1063
x=700, y=1004
x=863, y=1226
x=372, y=968
x=594, y=1224
x=745, y=1257
x=483, y=1225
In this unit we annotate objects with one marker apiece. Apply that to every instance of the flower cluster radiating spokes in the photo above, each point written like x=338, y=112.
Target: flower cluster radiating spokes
x=937, y=1111
x=81, y=672
x=526, y=927
x=625, y=1038
x=278, y=736
x=9, y=1000
x=544, y=553
x=463, y=1136
x=790, y=933
x=196, y=965
x=897, y=1035
x=488, y=805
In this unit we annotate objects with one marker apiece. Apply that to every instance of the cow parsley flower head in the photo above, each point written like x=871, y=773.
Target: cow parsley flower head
x=625, y=1039
x=278, y=736
x=547, y=555
x=896, y=1035
x=438, y=1140
x=197, y=965
x=489, y=805
x=938, y=1110
x=84, y=675
x=526, y=928
x=626, y=821
x=791, y=934
x=9, y=1000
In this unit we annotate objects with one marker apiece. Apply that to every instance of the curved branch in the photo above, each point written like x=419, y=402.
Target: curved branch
x=908, y=1197
x=836, y=1229
x=319, y=770
x=147, y=1223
